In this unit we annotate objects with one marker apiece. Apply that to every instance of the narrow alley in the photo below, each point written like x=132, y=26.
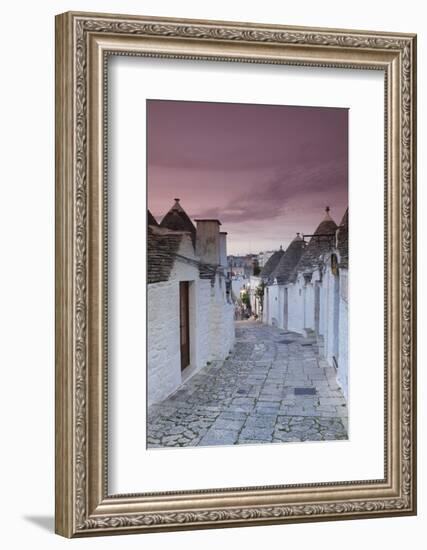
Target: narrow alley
x=273, y=388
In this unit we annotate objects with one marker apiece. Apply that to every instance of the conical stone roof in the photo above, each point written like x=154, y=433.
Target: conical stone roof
x=151, y=220
x=271, y=263
x=162, y=245
x=319, y=244
x=288, y=261
x=178, y=220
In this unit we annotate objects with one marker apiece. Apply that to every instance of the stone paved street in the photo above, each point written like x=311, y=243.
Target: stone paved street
x=262, y=393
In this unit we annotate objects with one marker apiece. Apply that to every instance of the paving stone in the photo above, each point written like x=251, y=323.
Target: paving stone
x=276, y=396
x=243, y=401
x=224, y=424
x=250, y=398
x=177, y=430
x=233, y=415
x=267, y=407
x=261, y=421
x=220, y=437
x=244, y=441
x=332, y=401
x=260, y=434
x=328, y=414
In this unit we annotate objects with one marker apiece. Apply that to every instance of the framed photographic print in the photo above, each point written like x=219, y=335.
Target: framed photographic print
x=235, y=274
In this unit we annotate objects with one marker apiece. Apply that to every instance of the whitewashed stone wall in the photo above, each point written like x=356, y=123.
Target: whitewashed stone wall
x=343, y=334
x=164, y=359
x=280, y=306
x=266, y=314
x=309, y=306
x=265, y=306
x=333, y=313
x=272, y=311
x=323, y=320
x=221, y=322
x=211, y=325
x=332, y=309
x=199, y=335
x=296, y=306
x=164, y=352
x=335, y=323
x=277, y=306
x=301, y=305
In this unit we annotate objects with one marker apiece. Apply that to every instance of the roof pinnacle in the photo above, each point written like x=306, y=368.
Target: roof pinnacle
x=327, y=215
x=177, y=205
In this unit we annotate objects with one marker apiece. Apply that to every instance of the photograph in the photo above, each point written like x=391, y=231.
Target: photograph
x=247, y=274
x=235, y=271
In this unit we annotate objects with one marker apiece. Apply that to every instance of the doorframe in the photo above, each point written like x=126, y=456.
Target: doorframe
x=186, y=285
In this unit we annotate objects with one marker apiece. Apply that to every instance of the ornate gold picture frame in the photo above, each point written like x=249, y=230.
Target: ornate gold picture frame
x=84, y=42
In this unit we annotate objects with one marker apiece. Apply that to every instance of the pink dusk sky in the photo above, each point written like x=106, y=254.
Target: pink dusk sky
x=265, y=171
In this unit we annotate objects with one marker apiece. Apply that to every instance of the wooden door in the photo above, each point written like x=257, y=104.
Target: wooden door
x=184, y=323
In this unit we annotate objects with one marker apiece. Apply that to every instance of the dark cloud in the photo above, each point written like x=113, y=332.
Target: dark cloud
x=247, y=165
x=272, y=196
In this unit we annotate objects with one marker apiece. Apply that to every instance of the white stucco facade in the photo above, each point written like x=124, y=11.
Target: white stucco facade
x=335, y=329
x=343, y=366
x=211, y=320
x=271, y=306
x=315, y=303
x=296, y=298
x=221, y=321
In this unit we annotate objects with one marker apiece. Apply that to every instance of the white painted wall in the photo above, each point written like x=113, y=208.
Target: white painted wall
x=332, y=284
x=301, y=313
x=343, y=365
x=275, y=311
x=164, y=354
x=164, y=370
x=309, y=306
x=267, y=306
x=221, y=322
x=323, y=321
x=334, y=303
x=296, y=306
x=273, y=306
x=211, y=325
x=280, y=305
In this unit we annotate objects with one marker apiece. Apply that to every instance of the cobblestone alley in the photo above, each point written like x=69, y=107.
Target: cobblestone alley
x=273, y=388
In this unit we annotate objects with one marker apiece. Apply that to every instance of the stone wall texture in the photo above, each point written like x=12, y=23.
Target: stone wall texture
x=211, y=325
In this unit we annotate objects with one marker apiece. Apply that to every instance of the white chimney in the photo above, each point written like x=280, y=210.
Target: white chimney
x=223, y=249
x=208, y=241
